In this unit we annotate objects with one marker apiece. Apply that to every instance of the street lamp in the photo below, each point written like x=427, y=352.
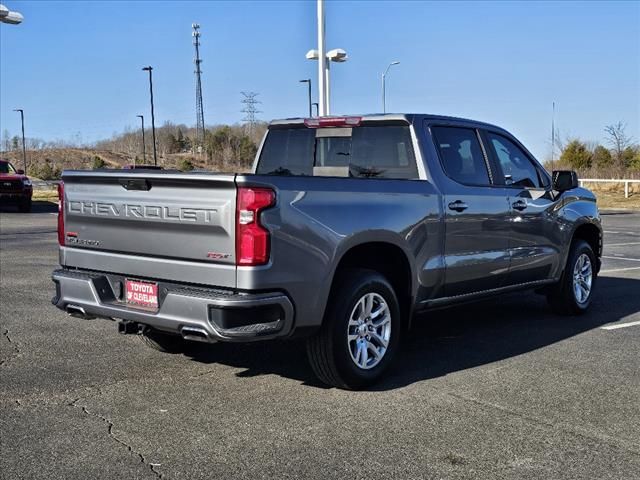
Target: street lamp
x=24, y=149
x=144, y=145
x=7, y=16
x=153, y=118
x=337, y=55
x=384, y=95
x=317, y=108
x=308, y=82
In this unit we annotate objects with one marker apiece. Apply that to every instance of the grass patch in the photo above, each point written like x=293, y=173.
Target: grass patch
x=615, y=200
x=45, y=195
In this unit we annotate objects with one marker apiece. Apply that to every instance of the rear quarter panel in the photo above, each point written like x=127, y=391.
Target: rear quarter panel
x=316, y=220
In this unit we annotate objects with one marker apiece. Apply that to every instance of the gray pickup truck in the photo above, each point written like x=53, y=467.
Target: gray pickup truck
x=347, y=227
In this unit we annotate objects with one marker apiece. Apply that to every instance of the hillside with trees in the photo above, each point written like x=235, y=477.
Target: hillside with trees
x=226, y=148
x=231, y=148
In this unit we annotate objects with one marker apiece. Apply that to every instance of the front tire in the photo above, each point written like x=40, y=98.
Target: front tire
x=360, y=331
x=573, y=293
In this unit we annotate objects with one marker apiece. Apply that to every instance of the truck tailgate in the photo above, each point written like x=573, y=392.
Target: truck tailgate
x=152, y=224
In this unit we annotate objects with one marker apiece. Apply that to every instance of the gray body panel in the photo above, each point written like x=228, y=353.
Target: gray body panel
x=181, y=228
x=453, y=256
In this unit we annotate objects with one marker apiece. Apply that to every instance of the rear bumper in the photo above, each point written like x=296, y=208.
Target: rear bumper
x=203, y=314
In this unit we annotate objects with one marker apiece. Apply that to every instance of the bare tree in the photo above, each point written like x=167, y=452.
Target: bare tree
x=618, y=139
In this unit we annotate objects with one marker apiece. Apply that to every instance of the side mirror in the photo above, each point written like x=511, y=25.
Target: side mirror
x=564, y=180
x=20, y=171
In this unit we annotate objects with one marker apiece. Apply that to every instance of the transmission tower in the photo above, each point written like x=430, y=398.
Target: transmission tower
x=249, y=101
x=198, y=72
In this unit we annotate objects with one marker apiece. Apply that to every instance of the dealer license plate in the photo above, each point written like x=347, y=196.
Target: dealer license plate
x=142, y=294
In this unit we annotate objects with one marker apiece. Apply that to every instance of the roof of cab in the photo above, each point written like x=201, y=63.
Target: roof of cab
x=408, y=117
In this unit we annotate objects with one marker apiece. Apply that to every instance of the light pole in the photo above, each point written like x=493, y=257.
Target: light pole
x=322, y=63
x=153, y=119
x=24, y=149
x=384, y=93
x=7, y=16
x=308, y=82
x=317, y=108
x=144, y=145
x=336, y=55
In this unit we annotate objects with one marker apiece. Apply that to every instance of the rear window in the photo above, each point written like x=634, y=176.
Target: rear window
x=362, y=152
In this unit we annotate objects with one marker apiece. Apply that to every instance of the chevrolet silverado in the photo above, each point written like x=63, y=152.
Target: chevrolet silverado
x=346, y=228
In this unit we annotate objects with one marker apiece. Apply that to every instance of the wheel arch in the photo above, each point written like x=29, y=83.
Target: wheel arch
x=592, y=234
x=387, y=258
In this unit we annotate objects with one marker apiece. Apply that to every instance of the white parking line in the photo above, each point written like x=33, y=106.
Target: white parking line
x=616, y=244
x=622, y=258
x=618, y=270
x=621, y=325
x=622, y=233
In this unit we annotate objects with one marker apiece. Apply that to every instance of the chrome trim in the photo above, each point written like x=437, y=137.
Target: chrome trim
x=417, y=153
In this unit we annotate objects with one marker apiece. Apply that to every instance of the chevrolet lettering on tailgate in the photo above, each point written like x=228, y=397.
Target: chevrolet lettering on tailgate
x=142, y=211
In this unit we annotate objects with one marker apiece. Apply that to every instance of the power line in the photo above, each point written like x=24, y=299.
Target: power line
x=198, y=72
x=249, y=101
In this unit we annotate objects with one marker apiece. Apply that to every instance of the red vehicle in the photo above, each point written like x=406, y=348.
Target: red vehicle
x=15, y=187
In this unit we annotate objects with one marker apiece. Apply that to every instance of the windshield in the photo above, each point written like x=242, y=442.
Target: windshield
x=6, y=167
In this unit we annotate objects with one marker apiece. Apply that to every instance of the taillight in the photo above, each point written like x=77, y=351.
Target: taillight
x=252, y=239
x=61, y=213
x=320, y=122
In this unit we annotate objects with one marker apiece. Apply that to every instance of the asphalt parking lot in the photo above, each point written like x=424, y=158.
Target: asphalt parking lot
x=497, y=390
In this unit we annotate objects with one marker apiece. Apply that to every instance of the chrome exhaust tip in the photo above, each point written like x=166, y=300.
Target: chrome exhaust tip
x=78, y=312
x=196, y=334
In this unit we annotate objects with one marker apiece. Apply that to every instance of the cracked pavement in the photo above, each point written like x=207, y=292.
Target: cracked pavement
x=501, y=389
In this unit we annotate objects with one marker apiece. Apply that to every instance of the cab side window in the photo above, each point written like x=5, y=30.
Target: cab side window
x=516, y=165
x=461, y=155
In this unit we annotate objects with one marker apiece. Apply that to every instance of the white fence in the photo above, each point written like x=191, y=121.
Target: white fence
x=599, y=180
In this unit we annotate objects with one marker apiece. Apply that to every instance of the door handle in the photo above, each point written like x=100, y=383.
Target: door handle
x=519, y=205
x=458, y=206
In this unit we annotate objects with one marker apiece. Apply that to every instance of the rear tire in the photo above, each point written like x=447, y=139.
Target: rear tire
x=360, y=331
x=163, y=342
x=573, y=293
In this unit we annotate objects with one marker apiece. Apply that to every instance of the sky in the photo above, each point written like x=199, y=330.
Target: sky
x=75, y=67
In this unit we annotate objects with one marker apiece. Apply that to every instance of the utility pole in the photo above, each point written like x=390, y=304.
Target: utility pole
x=308, y=82
x=24, y=148
x=153, y=119
x=144, y=145
x=322, y=62
x=198, y=72
x=553, y=132
x=250, y=109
